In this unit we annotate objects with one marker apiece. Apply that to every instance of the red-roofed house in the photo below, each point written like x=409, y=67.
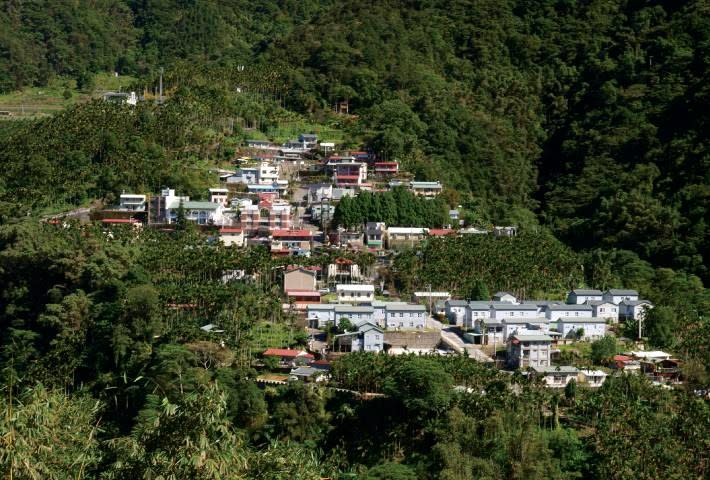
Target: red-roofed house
x=287, y=356
x=349, y=174
x=440, y=232
x=386, y=168
x=232, y=236
x=303, y=297
x=626, y=363
x=291, y=241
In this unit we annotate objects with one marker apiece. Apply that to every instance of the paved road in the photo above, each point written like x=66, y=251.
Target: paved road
x=450, y=337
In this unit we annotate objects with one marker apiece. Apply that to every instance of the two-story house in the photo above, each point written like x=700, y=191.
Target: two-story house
x=504, y=297
x=605, y=310
x=567, y=311
x=456, y=311
x=593, y=328
x=405, y=317
x=501, y=310
x=375, y=234
x=475, y=313
x=617, y=295
x=367, y=338
x=634, y=309
x=579, y=296
x=355, y=293
x=529, y=349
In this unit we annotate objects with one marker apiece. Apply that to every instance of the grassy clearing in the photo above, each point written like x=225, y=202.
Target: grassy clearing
x=272, y=335
x=59, y=94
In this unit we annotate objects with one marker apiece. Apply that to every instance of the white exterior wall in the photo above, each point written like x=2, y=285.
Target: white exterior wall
x=580, y=299
x=501, y=313
x=557, y=381
x=406, y=320
x=324, y=317
x=472, y=316
x=356, y=296
x=592, y=331
x=556, y=315
x=607, y=311
x=229, y=239
x=458, y=314
x=617, y=299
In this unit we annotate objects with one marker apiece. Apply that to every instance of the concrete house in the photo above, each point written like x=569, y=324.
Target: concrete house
x=476, y=311
x=320, y=315
x=491, y=331
x=605, y=310
x=555, y=377
x=367, y=338
x=504, y=297
x=375, y=234
x=456, y=311
x=503, y=310
x=219, y=195
x=580, y=295
x=529, y=349
x=566, y=311
x=405, y=237
x=594, y=328
x=268, y=215
x=616, y=295
x=355, y=293
x=380, y=311
x=300, y=279
x=405, y=317
x=511, y=326
x=132, y=202
x=592, y=378
x=426, y=189
x=287, y=356
x=355, y=314
x=634, y=309
x=231, y=236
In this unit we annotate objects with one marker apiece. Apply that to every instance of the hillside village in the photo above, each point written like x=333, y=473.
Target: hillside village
x=285, y=198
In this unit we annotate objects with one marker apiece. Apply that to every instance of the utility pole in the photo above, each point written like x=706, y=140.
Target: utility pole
x=160, y=98
x=430, y=311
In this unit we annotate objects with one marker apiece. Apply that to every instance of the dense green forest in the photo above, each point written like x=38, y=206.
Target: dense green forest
x=587, y=116
x=583, y=122
x=107, y=374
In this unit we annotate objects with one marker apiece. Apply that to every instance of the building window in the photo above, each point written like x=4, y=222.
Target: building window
x=401, y=314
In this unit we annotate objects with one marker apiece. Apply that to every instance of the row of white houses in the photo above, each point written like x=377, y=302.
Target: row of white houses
x=390, y=315
x=611, y=306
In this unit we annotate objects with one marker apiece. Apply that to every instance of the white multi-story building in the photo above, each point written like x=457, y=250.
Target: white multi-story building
x=593, y=328
x=617, y=295
x=405, y=317
x=219, y=195
x=529, y=349
x=132, y=202
x=355, y=293
x=456, y=311
x=605, y=310
x=580, y=295
x=566, y=311
x=502, y=310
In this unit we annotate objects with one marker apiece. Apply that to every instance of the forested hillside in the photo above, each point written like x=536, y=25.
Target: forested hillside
x=128, y=353
x=589, y=116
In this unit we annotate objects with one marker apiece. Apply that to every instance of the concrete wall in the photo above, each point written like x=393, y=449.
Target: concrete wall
x=425, y=340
